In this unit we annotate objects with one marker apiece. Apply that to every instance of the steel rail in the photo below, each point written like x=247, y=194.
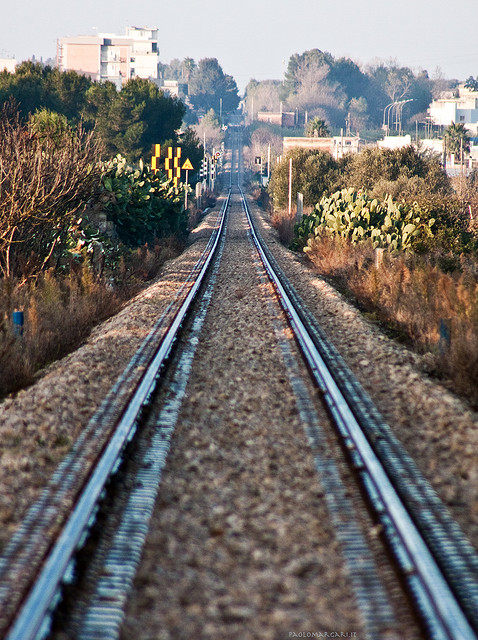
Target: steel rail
x=442, y=613
x=40, y=599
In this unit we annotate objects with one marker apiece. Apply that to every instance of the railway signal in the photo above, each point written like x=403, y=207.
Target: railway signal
x=187, y=166
x=172, y=165
x=203, y=168
x=155, y=158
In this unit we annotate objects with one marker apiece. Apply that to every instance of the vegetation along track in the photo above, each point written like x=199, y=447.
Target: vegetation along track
x=437, y=563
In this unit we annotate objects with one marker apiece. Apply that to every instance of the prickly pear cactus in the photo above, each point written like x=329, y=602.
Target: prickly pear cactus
x=350, y=214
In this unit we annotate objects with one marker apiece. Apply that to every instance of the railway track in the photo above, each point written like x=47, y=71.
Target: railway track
x=438, y=565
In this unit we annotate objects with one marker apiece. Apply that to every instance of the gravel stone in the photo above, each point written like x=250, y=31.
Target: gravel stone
x=242, y=541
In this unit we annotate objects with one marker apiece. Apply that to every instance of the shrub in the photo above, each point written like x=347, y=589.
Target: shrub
x=313, y=173
x=412, y=296
x=142, y=204
x=59, y=313
x=48, y=171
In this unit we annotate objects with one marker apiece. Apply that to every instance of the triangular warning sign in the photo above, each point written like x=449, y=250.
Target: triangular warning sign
x=188, y=165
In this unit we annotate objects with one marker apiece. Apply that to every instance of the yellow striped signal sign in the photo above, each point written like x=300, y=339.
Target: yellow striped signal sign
x=155, y=158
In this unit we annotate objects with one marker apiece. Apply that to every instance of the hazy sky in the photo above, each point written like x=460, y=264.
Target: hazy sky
x=255, y=38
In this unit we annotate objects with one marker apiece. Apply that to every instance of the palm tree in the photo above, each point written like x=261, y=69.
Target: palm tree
x=317, y=128
x=457, y=140
x=188, y=67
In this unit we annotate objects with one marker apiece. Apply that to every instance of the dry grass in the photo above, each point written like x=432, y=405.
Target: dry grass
x=59, y=312
x=437, y=312
x=284, y=223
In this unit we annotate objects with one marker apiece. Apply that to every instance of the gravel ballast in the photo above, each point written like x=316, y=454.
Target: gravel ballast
x=242, y=543
x=246, y=513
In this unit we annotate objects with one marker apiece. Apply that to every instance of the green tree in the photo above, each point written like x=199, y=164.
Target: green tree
x=313, y=174
x=457, y=140
x=34, y=87
x=316, y=128
x=471, y=83
x=192, y=148
x=209, y=85
x=130, y=121
x=50, y=126
x=27, y=87
x=315, y=81
x=69, y=89
x=405, y=174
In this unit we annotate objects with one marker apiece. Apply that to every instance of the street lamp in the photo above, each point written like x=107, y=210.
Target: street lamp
x=399, y=109
x=394, y=107
x=386, y=127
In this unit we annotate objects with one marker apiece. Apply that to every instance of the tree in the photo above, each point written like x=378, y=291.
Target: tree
x=262, y=96
x=405, y=174
x=400, y=83
x=471, y=84
x=299, y=64
x=315, y=81
x=70, y=90
x=262, y=139
x=358, y=114
x=192, y=148
x=209, y=130
x=27, y=86
x=180, y=70
x=130, y=121
x=43, y=186
x=34, y=87
x=311, y=88
x=317, y=128
x=457, y=140
x=50, y=126
x=209, y=85
x=313, y=173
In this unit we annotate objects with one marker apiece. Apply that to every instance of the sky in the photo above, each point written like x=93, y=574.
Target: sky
x=255, y=38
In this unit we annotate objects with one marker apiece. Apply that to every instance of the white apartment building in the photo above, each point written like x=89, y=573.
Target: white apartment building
x=111, y=57
x=461, y=109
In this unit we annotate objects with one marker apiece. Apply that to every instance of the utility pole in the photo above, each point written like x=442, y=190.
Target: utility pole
x=290, y=187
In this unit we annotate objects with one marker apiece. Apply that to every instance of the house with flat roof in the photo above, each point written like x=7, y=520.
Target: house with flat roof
x=461, y=108
x=337, y=146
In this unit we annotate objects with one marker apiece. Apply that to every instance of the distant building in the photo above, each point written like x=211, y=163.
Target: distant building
x=281, y=118
x=457, y=109
x=395, y=142
x=8, y=64
x=337, y=146
x=175, y=88
x=112, y=57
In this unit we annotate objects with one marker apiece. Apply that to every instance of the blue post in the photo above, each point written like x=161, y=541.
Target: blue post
x=445, y=336
x=18, y=320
